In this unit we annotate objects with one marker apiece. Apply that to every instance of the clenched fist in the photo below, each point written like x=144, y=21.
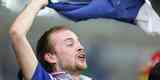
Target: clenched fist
x=42, y=3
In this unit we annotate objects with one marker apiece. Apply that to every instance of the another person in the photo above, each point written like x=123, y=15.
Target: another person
x=155, y=72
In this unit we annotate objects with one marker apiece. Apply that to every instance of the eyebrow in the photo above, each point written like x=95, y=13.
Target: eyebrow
x=69, y=39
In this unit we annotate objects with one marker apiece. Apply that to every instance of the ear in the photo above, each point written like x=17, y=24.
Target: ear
x=50, y=58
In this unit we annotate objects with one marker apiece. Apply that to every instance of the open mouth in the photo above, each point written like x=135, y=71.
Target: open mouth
x=82, y=57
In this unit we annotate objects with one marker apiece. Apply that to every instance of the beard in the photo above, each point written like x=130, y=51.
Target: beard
x=76, y=67
x=80, y=65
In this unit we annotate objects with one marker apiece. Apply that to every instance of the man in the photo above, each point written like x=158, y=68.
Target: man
x=155, y=72
x=149, y=70
x=61, y=55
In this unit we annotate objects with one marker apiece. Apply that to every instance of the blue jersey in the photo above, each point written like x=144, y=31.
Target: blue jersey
x=41, y=74
x=122, y=10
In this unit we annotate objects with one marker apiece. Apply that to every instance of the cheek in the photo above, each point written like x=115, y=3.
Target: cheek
x=64, y=49
x=67, y=54
x=69, y=58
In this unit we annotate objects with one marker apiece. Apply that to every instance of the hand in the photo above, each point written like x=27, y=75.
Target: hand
x=42, y=3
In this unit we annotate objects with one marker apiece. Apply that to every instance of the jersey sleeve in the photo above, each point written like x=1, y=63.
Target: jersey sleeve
x=40, y=73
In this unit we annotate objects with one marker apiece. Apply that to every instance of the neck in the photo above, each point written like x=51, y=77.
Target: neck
x=57, y=69
x=74, y=73
x=74, y=76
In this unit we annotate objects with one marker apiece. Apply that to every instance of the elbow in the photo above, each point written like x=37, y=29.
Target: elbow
x=15, y=32
x=12, y=31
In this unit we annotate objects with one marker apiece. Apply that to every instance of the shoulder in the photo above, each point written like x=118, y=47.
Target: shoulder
x=40, y=73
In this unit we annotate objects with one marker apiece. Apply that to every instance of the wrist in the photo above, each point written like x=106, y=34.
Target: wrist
x=36, y=4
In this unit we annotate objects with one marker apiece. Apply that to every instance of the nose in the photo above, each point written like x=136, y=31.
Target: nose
x=81, y=47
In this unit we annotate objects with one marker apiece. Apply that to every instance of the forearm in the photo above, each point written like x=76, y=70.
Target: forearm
x=25, y=56
x=23, y=22
x=24, y=53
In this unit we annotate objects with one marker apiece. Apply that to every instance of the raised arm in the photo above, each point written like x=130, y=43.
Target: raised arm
x=24, y=53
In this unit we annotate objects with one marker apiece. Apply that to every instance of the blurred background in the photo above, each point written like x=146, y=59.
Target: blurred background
x=116, y=50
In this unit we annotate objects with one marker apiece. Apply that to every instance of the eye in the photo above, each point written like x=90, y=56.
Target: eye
x=69, y=44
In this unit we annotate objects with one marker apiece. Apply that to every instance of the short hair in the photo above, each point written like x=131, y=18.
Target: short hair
x=43, y=45
x=154, y=74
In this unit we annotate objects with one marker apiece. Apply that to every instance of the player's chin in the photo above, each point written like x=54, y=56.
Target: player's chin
x=82, y=66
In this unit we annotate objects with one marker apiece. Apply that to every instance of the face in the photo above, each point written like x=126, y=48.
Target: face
x=69, y=51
